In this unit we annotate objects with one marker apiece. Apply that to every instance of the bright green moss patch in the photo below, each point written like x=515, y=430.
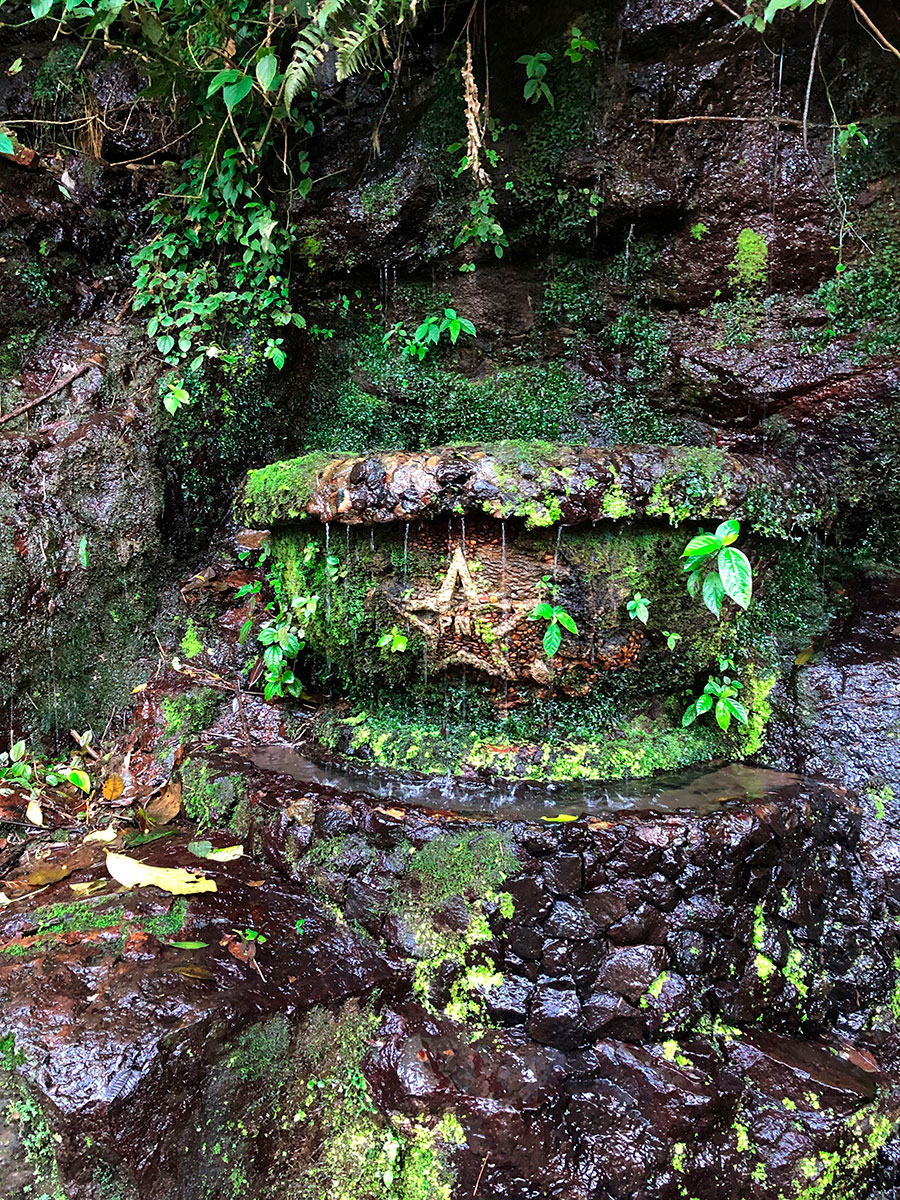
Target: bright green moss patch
x=281, y=491
x=191, y=712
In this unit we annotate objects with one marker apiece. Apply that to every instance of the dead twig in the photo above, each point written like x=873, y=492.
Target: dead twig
x=879, y=36
x=63, y=383
x=480, y=1173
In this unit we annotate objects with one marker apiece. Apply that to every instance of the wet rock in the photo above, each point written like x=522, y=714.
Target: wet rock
x=629, y=971
x=555, y=1017
x=569, y=920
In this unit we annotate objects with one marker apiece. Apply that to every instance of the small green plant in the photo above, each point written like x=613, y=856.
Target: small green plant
x=638, y=608
x=849, y=135
x=721, y=697
x=672, y=639
x=481, y=225
x=536, y=77
x=557, y=619
x=282, y=644
x=717, y=569
x=394, y=641
x=429, y=333
x=698, y=230
x=13, y=767
x=579, y=46
x=251, y=935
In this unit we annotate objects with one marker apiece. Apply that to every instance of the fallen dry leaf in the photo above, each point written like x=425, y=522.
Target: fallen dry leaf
x=113, y=787
x=241, y=949
x=175, y=880
x=33, y=813
x=89, y=887
x=193, y=972
x=166, y=806
x=102, y=835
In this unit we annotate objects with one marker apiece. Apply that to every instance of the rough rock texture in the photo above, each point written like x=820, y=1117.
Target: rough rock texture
x=689, y=1005
x=538, y=483
x=838, y=716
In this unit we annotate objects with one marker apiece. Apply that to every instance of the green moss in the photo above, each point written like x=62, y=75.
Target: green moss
x=695, y=486
x=208, y=798
x=191, y=645
x=192, y=712
x=281, y=490
x=750, y=265
x=169, y=924
x=455, y=864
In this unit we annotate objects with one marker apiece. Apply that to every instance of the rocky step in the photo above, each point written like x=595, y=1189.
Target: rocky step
x=647, y=1006
x=540, y=483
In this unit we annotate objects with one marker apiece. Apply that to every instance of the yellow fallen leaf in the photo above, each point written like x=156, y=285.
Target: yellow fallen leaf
x=141, y=687
x=562, y=817
x=226, y=854
x=102, y=835
x=33, y=813
x=113, y=787
x=175, y=880
x=89, y=887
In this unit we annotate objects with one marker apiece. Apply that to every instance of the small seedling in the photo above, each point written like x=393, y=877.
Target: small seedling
x=639, y=608
x=393, y=640
x=558, y=620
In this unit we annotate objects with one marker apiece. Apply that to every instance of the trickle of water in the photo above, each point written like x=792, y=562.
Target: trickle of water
x=347, y=561
x=462, y=521
x=449, y=537
x=425, y=663
x=405, y=551
x=371, y=537
x=559, y=534
x=327, y=576
x=503, y=555
x=627, y=253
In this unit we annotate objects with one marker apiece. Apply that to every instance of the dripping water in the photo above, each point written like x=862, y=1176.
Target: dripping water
x=405, y=552
x=327, y=577
x=559, y=533
x=503, y=556
x=462, y=521
x=627, y=254
x=371, y=537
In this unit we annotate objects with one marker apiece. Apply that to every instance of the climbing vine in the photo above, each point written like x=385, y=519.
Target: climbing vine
x=243, y=76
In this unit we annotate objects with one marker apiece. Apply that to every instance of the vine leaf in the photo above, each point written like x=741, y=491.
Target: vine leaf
x=713, y=593
x=552, y=639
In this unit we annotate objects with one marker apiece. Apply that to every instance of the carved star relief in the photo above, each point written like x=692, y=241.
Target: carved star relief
x=439, y=615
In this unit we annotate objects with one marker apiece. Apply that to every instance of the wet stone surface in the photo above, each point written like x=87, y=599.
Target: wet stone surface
x=644, y=1008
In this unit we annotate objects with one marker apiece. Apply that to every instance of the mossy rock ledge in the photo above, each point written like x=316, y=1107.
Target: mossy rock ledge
x=464, y=542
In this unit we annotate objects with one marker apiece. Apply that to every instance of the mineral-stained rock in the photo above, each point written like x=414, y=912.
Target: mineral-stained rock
x=539, y=482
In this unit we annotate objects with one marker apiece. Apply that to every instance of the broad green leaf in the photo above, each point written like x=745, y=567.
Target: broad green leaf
x=79, y=778
x=566, y=621
x=266, y=70
x=236, y=92
x=188, y=945
x=40, y=8
x=689, y=717
x=728, y=532
x=6, y=144
x=713, y=593
x=703, y=704
x=222, y=78
x=84, y=554
x=737, y=710
x=723, y=716
x=697, y=547
x=736, y=574
x=693, y=583
x=552, y=639
x=542, y=610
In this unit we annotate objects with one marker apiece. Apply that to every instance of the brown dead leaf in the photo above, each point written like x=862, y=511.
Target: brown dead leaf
x=113, y=788
x=52, y=872
x=33, y=813
x=239, y=948
x=166, y=806
x=255, y=882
